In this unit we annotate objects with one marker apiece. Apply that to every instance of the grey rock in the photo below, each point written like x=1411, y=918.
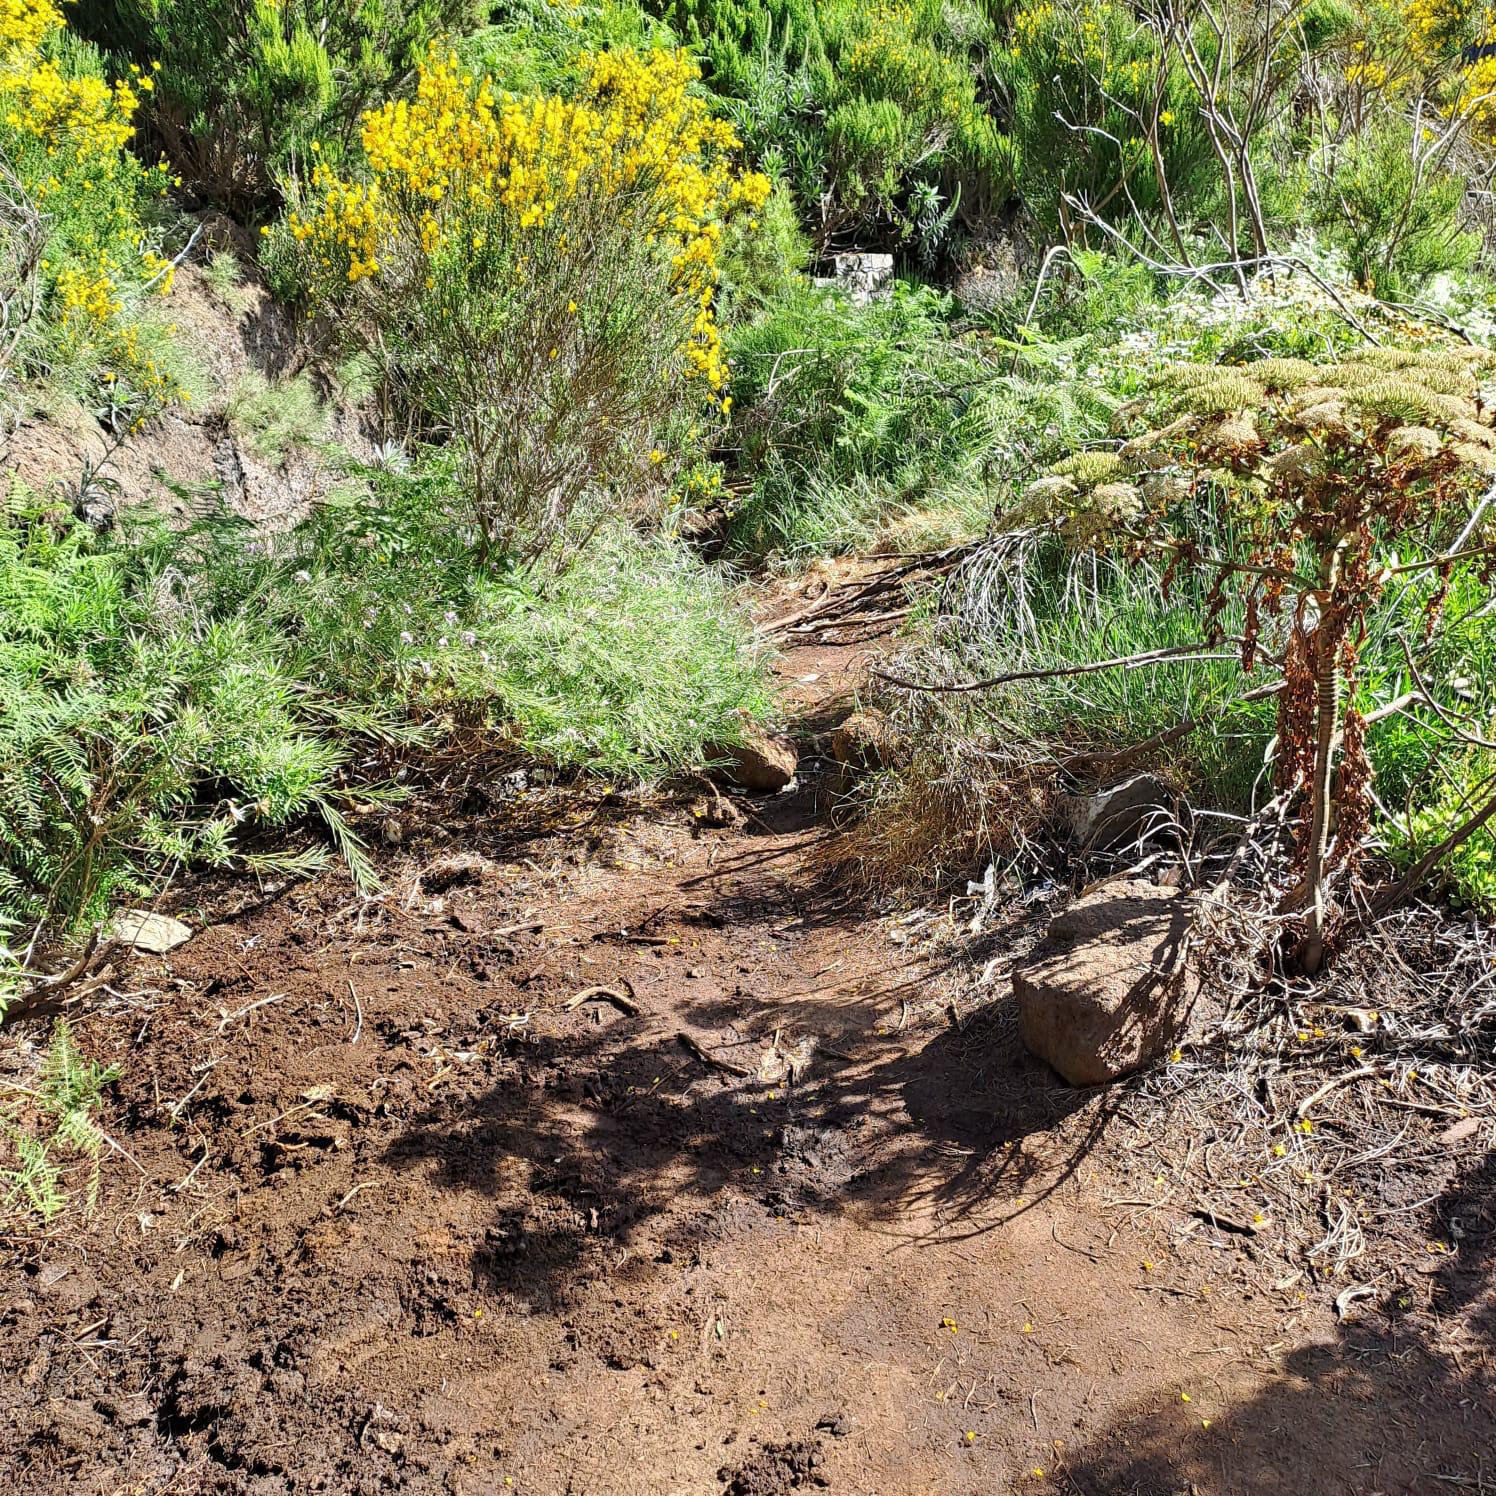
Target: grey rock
x=142, y=930
x=1131, y=811
x=864, y=278
x=1108, y=989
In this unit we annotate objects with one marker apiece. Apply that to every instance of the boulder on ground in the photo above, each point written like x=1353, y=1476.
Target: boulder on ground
x=1108, y=989
x=866, y=740
x=760, y=760
x=1130, y=811
x=142, y=930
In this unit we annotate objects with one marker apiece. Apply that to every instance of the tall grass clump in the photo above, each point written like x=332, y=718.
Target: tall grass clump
x=629, y=662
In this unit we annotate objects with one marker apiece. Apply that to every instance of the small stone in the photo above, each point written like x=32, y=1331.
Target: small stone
x=142, y=930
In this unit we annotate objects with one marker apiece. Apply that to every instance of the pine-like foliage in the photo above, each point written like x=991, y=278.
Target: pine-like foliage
x=137, y=730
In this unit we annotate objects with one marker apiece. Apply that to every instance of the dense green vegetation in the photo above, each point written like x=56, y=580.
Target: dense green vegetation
x=558, y=257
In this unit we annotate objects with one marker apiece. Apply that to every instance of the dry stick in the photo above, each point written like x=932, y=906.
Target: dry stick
x=698, y=1051
x=1050, y=255
x=274, y=997
x=175, y=1110
x=1180, y=653
x=1334, y=1083
x=358, y=1008
x=1442, y=713
x=604, y=994
x=76, y=970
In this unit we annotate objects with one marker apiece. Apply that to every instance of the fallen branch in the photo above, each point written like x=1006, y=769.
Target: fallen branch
x=1178, y=653
x=624, y=1004
x=698, y=1051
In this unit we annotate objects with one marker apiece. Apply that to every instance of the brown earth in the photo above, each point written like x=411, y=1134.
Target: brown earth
x=787, y=1208
x=195, y=452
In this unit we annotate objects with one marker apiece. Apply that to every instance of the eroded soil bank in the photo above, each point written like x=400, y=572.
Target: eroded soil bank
x=785, y=1207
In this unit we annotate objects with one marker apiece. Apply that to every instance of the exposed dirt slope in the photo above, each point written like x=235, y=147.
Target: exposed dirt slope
x=397, y=1217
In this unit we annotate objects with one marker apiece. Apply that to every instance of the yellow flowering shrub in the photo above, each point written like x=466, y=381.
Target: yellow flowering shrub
x=65, y=131
x=1440, y=48
x=536, y=273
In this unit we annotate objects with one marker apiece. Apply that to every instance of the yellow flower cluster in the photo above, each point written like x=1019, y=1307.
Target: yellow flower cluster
x=66, y=136
x=1030, y=23
x=24, y=25
x=88, y=294
x=466, y=164
x=1078, y=37
x=1434, y=35
x=84, y=111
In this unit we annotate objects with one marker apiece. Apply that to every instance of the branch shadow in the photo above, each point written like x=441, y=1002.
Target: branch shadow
x=588, y=1151
x=1385, y=1404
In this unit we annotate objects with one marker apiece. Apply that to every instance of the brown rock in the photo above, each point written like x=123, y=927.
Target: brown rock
x=866, y=740
x=759, y=760
x=1108, y=990
x=144, y=931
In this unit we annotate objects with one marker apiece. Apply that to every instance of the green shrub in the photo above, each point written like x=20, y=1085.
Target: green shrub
x=1398, y=224
x=137, y=728
x=873, y=113
x=860, y=425
x=246, y=86
x=762, y=258
x=630, y=662
x=165, y=691
x=1461, y=783
x=532, y=46
x=1078, y=75
x=277, y=417
x=225, y=277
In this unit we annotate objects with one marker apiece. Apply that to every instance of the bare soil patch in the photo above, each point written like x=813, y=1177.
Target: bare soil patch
x=392, y=1212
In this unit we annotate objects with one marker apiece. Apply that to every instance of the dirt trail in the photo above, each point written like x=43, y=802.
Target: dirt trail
x=396, y=1217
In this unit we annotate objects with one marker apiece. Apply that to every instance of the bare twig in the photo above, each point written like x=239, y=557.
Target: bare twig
x=625, y=1004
